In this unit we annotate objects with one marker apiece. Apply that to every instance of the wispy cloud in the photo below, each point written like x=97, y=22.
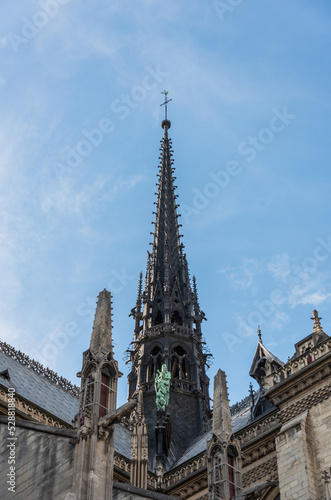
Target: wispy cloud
x=65, y=197
x=300, y=285
x=243, y=278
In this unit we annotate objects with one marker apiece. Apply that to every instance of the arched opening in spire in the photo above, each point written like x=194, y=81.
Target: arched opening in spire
x=180, y=367
x=158, y=318
x=154, y=362
x=176, y=318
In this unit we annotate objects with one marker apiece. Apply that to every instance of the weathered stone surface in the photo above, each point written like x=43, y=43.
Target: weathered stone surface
x=43, y=462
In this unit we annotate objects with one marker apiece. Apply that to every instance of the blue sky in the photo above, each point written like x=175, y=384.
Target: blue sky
x=80, y=88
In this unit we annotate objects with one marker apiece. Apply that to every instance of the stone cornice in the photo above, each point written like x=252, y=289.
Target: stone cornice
x=30, y=411
x=190, y=486
x=38, y=427
x=268, y=470
x=258, y=429
x=298, y=368
x=259, y=449
x=186, y=473
x=306, y=378
x=305, y=403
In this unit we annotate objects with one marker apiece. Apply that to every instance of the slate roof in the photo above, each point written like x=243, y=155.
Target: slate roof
x=51, y=397
x=122, y=440
x=241, y=419
x=38, y=389
x=199, y=445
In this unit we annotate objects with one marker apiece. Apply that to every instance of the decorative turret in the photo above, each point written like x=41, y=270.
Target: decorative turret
x=262, y=357
x=99, y=371
x=224, y=464
x=101, y=338
x=93, y=468
x=168, y=331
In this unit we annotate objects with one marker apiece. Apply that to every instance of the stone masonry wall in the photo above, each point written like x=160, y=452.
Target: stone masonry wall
x=320, y=426
x=296, y=461
x=43, y=461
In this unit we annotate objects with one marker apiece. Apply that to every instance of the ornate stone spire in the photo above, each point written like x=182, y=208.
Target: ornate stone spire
x=168, y=294
x=97, y=409
x=222, y=416
x=101, y=338
x=170, y=326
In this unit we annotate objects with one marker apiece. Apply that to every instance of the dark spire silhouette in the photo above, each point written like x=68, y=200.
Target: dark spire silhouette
x=168, y=330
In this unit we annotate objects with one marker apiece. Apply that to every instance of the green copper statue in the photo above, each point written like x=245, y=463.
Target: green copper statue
x=162, y=387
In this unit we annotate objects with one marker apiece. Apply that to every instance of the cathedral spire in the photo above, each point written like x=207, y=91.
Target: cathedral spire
x=168, y=331
x=167, y=270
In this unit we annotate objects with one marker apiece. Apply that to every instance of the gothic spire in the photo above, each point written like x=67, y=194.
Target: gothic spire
x=169, y=327
x=101, y=339
x=168, y=295
x=166, y=245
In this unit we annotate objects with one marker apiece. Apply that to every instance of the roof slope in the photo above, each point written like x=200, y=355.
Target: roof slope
x=36, y=387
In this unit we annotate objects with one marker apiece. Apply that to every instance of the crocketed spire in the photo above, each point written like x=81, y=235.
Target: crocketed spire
x=101, y=339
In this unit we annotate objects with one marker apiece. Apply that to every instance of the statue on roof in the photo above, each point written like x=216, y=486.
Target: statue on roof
x=162, y=387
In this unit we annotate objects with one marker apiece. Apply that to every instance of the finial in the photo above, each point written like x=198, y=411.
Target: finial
x=317, y=322
x=165, y=123
x=316, y=319
x=259, y=333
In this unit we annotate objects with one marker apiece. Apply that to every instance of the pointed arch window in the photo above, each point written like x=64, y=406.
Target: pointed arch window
x=158, y=318
x=180, y=367
x=154, y=362
x=104, y=395
x=176, y=318
x=233, y=472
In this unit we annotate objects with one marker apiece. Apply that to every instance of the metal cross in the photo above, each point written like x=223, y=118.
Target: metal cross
x=259, y=333
x=166, y=100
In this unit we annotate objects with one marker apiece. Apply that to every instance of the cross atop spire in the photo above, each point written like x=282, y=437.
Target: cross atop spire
x=259, y=333
x=165, y=122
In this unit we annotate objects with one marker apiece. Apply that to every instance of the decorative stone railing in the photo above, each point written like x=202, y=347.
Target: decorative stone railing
x=183, y=471
x=259, y=427
x=122, y=463
x=151, y=480
x=181, y=384
x=184, y=385
x=295, y=365
x=168, y=328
